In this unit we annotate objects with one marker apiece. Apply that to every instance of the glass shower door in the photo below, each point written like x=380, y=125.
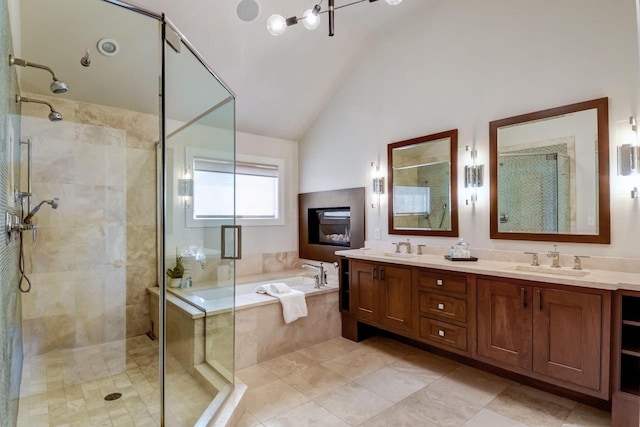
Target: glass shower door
x=198, y=227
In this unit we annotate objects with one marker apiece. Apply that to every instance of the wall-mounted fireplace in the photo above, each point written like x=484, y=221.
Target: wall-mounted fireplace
x=330, y=221
x=330, y=226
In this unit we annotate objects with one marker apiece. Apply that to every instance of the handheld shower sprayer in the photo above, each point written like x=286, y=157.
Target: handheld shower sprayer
x=54, y=116
x=56, y=87
x=53, y=202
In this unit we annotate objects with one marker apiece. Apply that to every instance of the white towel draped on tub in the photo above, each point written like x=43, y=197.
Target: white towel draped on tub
x=294, y=304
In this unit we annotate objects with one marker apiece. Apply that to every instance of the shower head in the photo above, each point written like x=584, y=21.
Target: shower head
x=56, y=87
x=54, y=116
x=53, y=202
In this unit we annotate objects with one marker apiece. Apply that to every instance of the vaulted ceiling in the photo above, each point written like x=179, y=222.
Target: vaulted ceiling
x=281, y=83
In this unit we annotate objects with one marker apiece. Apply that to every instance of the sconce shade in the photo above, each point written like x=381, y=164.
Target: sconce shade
x=628, y=159
x=185, y=187
x=378, y=185
x=473, y=176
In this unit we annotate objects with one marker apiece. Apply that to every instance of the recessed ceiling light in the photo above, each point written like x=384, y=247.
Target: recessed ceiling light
x=248, y=10
x=108, y=47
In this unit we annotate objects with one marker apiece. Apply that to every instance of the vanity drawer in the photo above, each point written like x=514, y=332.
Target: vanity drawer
x=443, y=306
x=443, y=333
x=444, y=282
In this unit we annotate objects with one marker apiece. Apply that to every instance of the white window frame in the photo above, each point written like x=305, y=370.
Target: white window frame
x=192, y=153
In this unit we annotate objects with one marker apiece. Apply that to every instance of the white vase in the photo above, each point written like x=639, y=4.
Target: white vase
x=175, y=283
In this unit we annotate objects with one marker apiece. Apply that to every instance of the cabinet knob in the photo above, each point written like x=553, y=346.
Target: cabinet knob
x=439, y=282
x=440, y=306
x=441, y=332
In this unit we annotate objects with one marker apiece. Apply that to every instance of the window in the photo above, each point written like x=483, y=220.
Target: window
x=258, y=191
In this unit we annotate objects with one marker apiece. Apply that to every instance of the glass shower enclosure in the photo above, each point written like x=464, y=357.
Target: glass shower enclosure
x=108, y=336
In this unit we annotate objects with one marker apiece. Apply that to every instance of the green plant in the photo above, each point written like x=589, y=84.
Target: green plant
x=178, y=271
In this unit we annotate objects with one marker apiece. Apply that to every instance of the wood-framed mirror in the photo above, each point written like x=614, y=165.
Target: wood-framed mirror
x=423, y=192
x=549, y=175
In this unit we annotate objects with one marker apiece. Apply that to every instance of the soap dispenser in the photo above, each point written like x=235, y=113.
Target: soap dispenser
x=462, y=249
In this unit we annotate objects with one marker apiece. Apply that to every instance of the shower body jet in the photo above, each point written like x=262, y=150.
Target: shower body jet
x=54, y=116
x=56, y=87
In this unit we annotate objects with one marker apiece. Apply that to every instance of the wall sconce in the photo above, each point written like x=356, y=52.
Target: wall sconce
x=185, y=190
x=473, y=176
x=629, y=154
x=377, y=184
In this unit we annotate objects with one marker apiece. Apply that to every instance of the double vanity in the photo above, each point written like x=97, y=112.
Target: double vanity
x=566, y=329
x=552, y=325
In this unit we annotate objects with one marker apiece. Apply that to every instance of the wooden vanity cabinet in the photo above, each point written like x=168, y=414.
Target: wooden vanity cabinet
x=626, y=360
x=505, y=323
x=551, y=333
x=444, y=309
x=568, y=336
x=557, y=334
x=381, y=294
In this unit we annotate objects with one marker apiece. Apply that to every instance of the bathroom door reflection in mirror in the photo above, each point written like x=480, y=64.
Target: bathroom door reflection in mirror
x=549, y=175
x=422, y=193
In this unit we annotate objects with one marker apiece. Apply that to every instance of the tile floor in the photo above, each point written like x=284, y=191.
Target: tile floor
x=381, y=382
x=67, y=388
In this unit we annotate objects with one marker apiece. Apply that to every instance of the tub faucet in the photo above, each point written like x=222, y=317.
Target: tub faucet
x=555, y=257
x=321, y=276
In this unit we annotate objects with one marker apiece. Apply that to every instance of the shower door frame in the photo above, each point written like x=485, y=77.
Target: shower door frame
x=162, y=207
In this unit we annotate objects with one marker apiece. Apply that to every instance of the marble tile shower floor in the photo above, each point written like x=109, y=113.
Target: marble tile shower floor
x=381, y=382
x=67, y=388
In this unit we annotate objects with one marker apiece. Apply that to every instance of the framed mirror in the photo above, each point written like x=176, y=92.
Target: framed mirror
x=422, y=194
x=549, y=173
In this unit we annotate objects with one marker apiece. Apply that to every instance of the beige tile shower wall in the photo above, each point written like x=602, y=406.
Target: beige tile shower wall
x=101, y=162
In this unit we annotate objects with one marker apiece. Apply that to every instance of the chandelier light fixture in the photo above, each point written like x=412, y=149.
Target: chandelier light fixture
x=277, y=24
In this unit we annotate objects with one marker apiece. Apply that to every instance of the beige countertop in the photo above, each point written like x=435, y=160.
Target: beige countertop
x=588, y=278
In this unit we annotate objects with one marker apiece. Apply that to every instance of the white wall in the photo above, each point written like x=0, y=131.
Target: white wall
x=469, y=63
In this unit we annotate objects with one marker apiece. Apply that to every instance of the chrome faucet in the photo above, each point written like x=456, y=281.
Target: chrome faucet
x=555, y=257
x=321, y=275
x=406, y=244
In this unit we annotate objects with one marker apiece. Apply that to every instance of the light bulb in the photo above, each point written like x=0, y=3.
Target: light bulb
x=393, y=2
x=276, y=25
x=310, y=20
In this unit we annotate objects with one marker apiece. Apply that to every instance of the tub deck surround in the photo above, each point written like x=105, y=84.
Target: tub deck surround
x=593, y=278
x=215, y=298
x=260, y=331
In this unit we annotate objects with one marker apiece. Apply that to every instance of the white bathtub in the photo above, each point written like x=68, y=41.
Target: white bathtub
x=214, y=300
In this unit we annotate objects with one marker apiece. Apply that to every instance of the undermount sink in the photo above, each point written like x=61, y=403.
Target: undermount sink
x=549, y=270
x=399, y=255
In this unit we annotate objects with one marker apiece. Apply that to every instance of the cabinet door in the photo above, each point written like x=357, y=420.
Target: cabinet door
x=567, y=335
x=364, y=290
x=504, y=323
x=395, y=297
